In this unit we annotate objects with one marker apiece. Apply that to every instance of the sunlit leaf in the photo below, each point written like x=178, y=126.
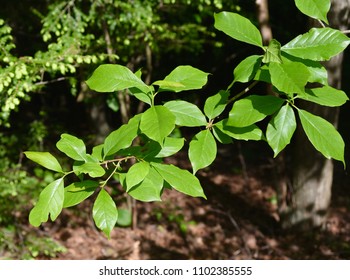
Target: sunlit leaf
x=45, y=159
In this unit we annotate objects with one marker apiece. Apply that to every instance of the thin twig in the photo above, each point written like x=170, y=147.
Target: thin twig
x=243, y=92
x=51, y=82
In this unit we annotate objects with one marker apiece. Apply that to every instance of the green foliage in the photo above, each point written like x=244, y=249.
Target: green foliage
x=135, y=152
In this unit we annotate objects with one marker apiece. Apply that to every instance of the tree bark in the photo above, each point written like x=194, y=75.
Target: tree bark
x=312, y=174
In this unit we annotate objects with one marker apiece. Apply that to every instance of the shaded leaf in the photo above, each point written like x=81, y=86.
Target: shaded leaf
x=122, y=137
x=326, y=96
x=94, y=169
x=251, y=132
x=273, y=52
x=247, y=69
x=252, y=109
x=77, y=192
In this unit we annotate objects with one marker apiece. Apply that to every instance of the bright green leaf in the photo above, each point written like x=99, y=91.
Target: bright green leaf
x=238, y=27
x=114, y=77
x=186, y=114
x=136, y=174
x=149, y=189
x=216, y=104
x=319, y=44
x=122, y=137
x=251, y=132
x=104, y=212
x=281, y=129
x=252, y=109
x=202, y=150
x=289, y=77
x=221, y=136
x=97, y=152
x=247, y=68
x=170, y=147
x=50, y=203
x=326, y=96
x=323, y=135
x=273, y=52
x=157, y=123
x=188, y=77
x=77, y=192
x=180, y=179
x=316, y=9
x=72, y=146
x=45, y=159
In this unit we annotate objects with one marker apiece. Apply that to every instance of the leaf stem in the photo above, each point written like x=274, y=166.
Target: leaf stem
x=242, y=92
x=110, y=176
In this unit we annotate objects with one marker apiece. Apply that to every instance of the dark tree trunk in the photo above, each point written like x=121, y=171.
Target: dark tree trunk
x=312, y=174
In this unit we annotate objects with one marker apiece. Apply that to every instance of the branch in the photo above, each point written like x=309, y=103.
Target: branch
x=51, y=82
x=242, y=92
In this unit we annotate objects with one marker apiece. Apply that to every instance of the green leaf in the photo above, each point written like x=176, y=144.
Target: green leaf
x=251, y=132
x=318, y=73
x=104, y=212
x=170, y=147
x=323, y=136
x=252, y=109
x=136, y=174
x=263, y=74
x=186, y=114
x=221, y=136
x=142, y=96
x=202, y=151
x=180, y=179
x=247, y=68
x=216, y=104
x=238, y=27
x=183, y=78
x=94, y=169
x=273, y=52
x=124, y=218
x=45, y=159
x=318, y=44
x=316, y=9
x=122, y=137
x=97, y=152
x=289, y=77
x=50, y=203
x=77, y=192
x=113, y=77
x=72, y=146
x=149, y=189
x=281, y=129
x=157, y=123
x=326, y=96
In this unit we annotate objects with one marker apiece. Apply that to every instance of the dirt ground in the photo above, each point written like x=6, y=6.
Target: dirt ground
x=237, y=221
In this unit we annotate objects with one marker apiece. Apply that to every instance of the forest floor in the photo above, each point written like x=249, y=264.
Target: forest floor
x=237, y=221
